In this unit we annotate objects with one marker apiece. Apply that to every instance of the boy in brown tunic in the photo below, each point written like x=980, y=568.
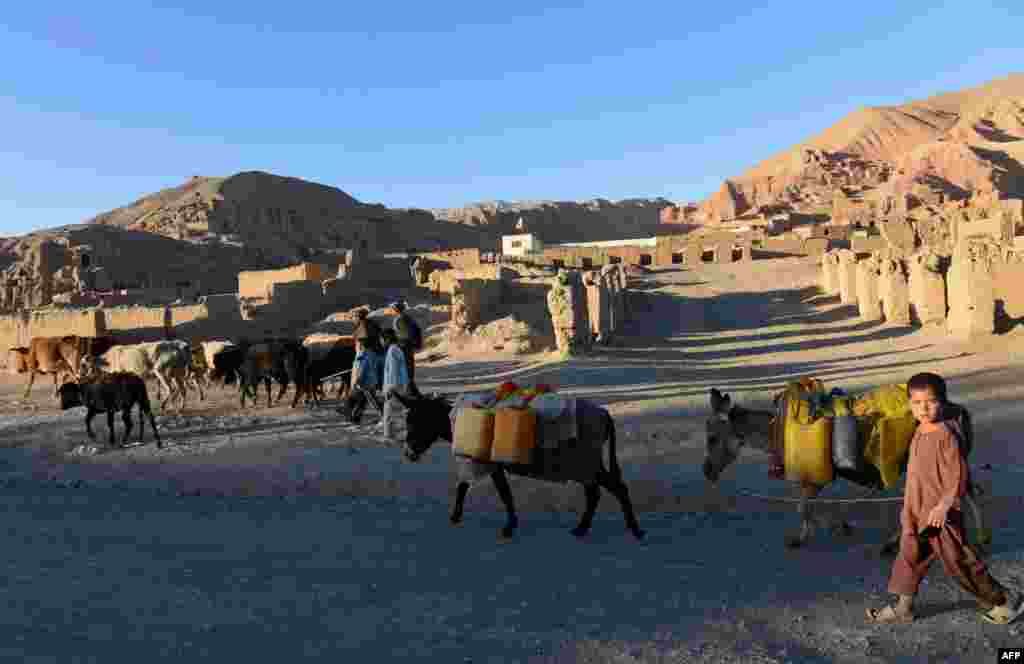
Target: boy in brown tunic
x=931, y=521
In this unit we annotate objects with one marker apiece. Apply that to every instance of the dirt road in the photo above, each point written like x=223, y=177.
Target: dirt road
x=271, y=534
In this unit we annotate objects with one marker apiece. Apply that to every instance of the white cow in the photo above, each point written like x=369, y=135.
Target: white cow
x=166, y=360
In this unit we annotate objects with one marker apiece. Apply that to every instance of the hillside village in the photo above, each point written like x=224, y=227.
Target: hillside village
x=936, y=183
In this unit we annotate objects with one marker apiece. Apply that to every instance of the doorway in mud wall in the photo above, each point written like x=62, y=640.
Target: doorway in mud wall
x=737, y=253
x=709, y=256
x=645, y=259
x=587, y=263
x=678, y=259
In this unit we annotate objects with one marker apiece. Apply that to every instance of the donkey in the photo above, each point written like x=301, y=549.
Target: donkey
x=731, y=427
x=428, y=419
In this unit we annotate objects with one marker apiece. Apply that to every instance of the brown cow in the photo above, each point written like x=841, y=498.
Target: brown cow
x=56, y=355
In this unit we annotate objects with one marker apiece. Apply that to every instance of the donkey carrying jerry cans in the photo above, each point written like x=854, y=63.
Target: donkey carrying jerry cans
x=533, y=433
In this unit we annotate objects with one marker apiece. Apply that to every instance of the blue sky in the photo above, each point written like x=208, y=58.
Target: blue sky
x=416, y=104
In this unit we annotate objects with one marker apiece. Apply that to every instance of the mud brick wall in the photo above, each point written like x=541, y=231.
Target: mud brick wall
x=1008, y=291
x=867, y=245
x=257, y=283
x=298, y=301
x=474, y=300
x=830, y=273
x=19, y=329
x=786, y=243
x=926, y=288
x=815, y=246
x=971, y=293
x=443, y=281
x=381, y=273
x=138, y=324
x=458, y=259
x=224, y=306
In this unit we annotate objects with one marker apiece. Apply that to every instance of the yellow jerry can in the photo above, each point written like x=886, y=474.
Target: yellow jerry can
x=887, y=446
x=808, y=451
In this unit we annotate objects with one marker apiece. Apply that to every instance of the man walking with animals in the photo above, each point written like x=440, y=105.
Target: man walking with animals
x=410, y=340
x=931, y=521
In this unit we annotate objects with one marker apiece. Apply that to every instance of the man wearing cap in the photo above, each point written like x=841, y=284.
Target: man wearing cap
x=410, y=340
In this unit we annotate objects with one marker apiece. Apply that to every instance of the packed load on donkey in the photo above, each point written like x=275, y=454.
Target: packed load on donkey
x=864, y=438
x=525, y=426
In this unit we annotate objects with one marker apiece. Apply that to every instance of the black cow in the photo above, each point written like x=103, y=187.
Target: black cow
x=227, y=363
x=284, y=361
x=108, y=394
x=340, y=357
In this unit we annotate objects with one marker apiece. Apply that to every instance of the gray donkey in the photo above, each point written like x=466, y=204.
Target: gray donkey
x=731, y=427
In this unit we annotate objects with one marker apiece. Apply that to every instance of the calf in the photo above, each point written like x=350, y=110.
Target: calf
x=108, y=394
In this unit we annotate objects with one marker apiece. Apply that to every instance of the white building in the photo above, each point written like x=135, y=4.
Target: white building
x=523, y=244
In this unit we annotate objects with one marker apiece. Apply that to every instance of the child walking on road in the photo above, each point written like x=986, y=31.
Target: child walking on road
x=931, y=522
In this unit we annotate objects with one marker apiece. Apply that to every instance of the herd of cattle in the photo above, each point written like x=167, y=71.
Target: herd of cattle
x=94, y=371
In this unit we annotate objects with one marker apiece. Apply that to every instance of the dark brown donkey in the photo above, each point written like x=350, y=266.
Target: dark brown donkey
x=582, y=461
x=730, y=428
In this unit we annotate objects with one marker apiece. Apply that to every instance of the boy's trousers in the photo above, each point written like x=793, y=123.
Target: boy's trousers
x=958, y=558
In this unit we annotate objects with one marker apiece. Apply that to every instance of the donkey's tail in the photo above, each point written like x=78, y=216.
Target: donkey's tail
x=613, y=456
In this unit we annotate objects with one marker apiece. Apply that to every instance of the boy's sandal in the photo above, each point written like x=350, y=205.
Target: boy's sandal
x=999, y=616
x=888, y=615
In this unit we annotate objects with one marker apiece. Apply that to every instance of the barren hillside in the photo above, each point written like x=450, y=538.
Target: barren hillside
x=951, y=145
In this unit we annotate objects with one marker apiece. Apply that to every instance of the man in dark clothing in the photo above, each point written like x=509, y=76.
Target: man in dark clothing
x=410, y=339
x=367, y=331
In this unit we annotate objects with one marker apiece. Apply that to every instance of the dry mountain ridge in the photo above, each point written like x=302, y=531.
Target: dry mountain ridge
x=948, y=146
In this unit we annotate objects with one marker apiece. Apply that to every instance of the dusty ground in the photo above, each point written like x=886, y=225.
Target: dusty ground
x=271, y=533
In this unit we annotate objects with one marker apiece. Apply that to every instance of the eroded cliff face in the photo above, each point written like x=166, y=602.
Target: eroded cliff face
x=885, y=160
x=560, y=221
x=55, y=266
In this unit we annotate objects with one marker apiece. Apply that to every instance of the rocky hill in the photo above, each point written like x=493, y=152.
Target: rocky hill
x=285, y=216
x=951, y=147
